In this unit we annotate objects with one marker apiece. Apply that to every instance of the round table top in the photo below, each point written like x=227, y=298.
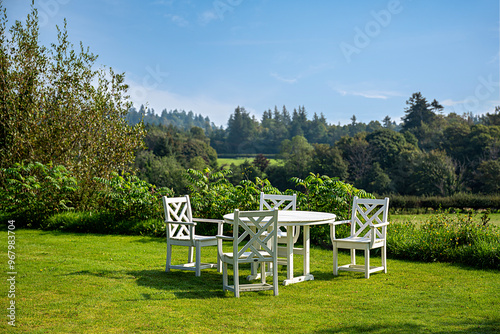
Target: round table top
x=291, y=218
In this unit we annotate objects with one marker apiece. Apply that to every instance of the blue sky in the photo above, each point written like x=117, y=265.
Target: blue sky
x=339, y=58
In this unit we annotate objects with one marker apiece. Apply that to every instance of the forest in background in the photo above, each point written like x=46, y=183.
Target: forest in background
x=428, y=153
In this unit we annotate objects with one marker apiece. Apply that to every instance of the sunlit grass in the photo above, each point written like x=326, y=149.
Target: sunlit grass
x=419, y=218
x=239, y=161
x=80, y=283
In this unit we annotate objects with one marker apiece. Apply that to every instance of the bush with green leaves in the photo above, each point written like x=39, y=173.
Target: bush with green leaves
x=213, y=196
x=103, y=223
x=326, y=194
x=35, y=191
x=447, y=238
x=127, y=197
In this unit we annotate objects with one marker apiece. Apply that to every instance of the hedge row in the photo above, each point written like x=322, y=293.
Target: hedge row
x=458, y=201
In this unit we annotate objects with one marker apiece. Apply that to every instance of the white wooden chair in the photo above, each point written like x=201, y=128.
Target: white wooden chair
x=181, y=232
x=248, y=246
x=282, y=202
x=368, y=231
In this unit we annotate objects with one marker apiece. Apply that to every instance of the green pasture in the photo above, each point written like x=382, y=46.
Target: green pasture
x=239, y=161
x=85, y=283
x=421, y=218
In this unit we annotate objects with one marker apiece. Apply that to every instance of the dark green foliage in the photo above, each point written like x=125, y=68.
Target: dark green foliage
x=103, y=223
x=261, y=162
x=35, y=191
x=325, y=194
x=460, y=201
x=128, y=198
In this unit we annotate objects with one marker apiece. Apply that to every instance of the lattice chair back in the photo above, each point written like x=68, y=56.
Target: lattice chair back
x=178, y=209
x=366, y=214
x=257, y=241
x=280, y=202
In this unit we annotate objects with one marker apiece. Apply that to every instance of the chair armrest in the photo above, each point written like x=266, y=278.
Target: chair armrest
x=223, y=237
x=332, y=227
x=207, y=220
x=374, y=228
x=340, y=222
x=381, y=224
x=180, y=223
x=220, y=223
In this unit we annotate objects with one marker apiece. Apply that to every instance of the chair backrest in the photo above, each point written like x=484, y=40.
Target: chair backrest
x=367, y=212
x=280, y=202
x=178, y=209
x=254, y=232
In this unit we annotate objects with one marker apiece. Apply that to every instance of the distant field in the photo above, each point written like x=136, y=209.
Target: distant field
x=239, y=161
x=419, y=218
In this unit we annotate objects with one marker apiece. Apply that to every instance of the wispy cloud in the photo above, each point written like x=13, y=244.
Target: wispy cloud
x=369, y=94
x=451, y=103
x=208, y=16
x=158, y=99
x=178, y=20
x=283, y=79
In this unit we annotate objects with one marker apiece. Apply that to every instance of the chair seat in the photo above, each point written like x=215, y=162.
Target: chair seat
x=354, y=239
x=196, y=237
x=362, y=240
x=281, y=234
x=264, y=254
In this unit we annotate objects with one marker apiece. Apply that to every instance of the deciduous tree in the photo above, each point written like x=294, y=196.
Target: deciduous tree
x=55, y=107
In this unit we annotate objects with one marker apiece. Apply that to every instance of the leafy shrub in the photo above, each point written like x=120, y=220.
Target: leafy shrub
x=213, y=196
x=104, y=223
x=35, y=191
x=129, y=198
x=325, y=194
x=447, y=238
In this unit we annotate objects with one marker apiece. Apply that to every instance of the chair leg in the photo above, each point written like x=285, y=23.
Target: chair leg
x=367, y=263
x=190, y=255
x=219, y=263
x=236, y=279
x=224, y=277
x=198, y=258
x=263, y=272
x=275, y=279
x=384, y=258
x=335, y=260
x=353, y=256
x=169, y=258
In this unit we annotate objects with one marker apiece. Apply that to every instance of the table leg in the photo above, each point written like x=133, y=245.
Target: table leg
x=307, y=248
x=289, y=252
x=306, y=252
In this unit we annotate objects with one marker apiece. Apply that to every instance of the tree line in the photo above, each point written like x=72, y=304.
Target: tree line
x=427, y=154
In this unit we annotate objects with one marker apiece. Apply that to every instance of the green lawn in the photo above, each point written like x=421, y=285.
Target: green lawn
x=78, y=283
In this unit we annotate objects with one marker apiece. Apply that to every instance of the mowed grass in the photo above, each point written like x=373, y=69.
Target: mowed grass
x=80, y=283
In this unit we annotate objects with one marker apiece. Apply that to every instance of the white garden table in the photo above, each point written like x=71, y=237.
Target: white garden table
x=289, y=219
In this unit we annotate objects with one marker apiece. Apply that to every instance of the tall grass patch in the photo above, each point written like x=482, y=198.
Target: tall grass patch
x=445, y=237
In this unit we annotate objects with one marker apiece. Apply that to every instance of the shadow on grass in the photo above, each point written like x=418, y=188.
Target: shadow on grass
x=487, y=326
x=182, y=284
